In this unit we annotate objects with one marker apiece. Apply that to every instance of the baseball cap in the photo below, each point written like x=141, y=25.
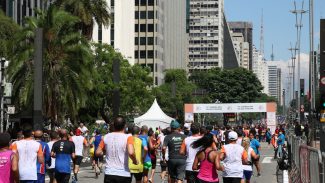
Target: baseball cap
x=232, y=135
x=187, y=125
x=174, y=124
x=78, y=132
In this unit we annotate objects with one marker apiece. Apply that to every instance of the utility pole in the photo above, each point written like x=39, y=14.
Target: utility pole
x=284, y=101
x=38, y=80
x=322, y=85
x=298, y=15
x=2, y=63
x=293, y=65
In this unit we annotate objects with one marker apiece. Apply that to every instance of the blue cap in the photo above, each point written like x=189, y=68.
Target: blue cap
x=174, y=124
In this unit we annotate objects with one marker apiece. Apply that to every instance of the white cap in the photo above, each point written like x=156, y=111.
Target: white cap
x=232, y=135
x=187, y=125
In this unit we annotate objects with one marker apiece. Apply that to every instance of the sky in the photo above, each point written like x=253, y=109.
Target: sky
x=279, y=23
x=279, y=28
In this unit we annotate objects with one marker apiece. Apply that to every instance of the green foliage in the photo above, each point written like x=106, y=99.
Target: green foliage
x=67, y=65
x=88, y=11
x=134, y=84
x=174, y=105
x=8, y=29
x=228, y=86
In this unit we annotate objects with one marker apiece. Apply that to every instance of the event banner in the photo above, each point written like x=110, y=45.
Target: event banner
x=230, y=108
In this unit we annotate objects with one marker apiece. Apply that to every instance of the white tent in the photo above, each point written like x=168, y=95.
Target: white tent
x=154, y=118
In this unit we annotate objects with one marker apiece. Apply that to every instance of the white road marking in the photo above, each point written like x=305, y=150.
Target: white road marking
x=285, y=176
x=267, y=160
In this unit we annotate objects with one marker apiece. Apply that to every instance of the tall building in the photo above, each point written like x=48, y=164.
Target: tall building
x=137, y=33
x=260, y=68
x=279, y=86
x=241, y=48
x=206, y=34
x=19, y=9
x=175, y=35
x=246, y=28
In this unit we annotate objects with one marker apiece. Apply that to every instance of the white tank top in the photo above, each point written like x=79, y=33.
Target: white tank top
x=190, y=152
x=233, y=160
x=116, y=154
x=78, y=142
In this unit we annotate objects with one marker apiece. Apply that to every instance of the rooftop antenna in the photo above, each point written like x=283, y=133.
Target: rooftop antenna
x=272, y=55
x=262, y=37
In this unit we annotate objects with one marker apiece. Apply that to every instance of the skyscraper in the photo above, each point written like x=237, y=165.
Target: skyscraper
x=242, y=49
x=206, y=34
x=246, y=28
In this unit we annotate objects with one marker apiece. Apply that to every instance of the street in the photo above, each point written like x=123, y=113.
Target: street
x=268, y=165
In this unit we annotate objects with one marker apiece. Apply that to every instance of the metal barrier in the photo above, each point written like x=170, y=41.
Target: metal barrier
x=310, y=161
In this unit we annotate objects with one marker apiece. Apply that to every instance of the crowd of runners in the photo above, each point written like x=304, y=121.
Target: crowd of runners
x=190, y=152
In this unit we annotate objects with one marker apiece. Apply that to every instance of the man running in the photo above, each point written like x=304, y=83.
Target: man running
x=146, y=156
x=29, y=152
x=9, y=161
x=79, y=142
x=176, y=162
x=41, y=167
x=137, y=170
x=118, y=147
x=98, y=159
x=190, y=152
x=233, y=155
x=63, y=151
x=51, y=169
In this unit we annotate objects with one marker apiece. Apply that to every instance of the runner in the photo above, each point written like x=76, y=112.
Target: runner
x=9, y=161
x=163, y=163
x=79, y=142
x=233, y=155
x=63, y=151
x=41, y=167
x=146, y=159
x=226, y=133
x=118, y=147
x=255, y=145
x=176, y=162
x=51, y=169
x=154, y=143
x=29, y=152
x=190, y=152
x=98, y=159
x=137, y=170
x=248, y=169
x=83, y=129
x=208, y=159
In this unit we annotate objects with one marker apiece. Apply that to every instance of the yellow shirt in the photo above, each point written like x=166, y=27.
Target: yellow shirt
x=138, y=154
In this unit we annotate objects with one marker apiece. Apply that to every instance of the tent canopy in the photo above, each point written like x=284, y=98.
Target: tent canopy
x=154, y=118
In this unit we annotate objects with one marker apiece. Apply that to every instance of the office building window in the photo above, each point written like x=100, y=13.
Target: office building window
x=142, y=40
x=136, y=54
x=150, y=28
x=143, y=2
x=136, y=27
x=142, y=54
x=150, y=54
x=142, y=27
x=136, y=3
x=136, y=14
x=112, y=2
x=151, y=2
x=150, y=40
x=136, y=40
x=151, y=15
x=143, y=15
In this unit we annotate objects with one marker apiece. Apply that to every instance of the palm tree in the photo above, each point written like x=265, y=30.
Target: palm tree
x=67, y=64
x=89, y=11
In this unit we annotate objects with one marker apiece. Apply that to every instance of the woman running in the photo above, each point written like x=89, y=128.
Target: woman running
x=248, y=169
x=208, y=159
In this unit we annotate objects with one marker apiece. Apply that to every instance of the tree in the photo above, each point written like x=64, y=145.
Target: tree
x=228, y=86
x=89, y=11
x=8, y=29
x=174, y=105
x=134, y=86
x=67, y=65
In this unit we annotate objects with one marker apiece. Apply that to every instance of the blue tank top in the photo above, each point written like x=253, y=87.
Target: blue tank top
x=98, y=138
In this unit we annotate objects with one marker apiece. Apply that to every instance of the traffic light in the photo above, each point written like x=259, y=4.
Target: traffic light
x=322, y=102
x=302, y=92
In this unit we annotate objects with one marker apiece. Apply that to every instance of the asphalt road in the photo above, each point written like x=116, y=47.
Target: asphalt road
x=268, y=164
